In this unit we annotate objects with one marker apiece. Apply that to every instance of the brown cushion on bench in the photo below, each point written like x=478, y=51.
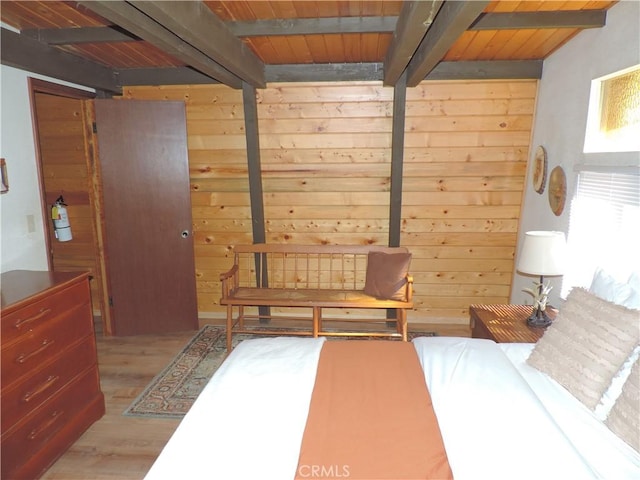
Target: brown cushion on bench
x=387, y=275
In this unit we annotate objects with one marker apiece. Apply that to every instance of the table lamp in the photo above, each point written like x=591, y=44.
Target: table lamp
x=543, y=254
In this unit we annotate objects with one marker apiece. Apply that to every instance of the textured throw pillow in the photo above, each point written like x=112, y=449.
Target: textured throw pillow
x=387, y=275
x=624, y=418
x=612, y=393
x=587, y=344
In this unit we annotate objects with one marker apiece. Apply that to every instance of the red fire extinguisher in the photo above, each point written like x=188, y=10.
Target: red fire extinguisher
x=60, y=217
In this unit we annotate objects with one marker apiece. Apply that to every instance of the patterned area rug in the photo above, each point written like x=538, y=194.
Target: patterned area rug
x=172, y=392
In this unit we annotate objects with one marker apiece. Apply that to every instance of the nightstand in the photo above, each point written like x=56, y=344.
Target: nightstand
x=505, y=323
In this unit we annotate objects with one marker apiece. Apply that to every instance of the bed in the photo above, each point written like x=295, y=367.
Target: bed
x=498, y=417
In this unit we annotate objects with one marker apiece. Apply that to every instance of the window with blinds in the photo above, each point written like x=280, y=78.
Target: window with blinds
x=604, y=228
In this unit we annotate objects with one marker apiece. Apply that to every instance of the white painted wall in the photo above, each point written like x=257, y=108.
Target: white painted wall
x=561, y=118
x=20, y=248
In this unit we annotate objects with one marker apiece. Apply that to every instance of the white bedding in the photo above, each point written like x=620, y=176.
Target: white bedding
x=492, y=423
x=608, y=455
x=249, y=421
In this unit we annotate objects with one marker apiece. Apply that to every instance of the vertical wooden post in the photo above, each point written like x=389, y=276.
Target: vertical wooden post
x=255, y=179
x=397, y=157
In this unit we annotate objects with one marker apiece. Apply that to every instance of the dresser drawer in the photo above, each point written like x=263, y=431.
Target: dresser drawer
x=25, y=396
x=32, y=316
x=48, y=369
x=25, y=355
x=42, y=425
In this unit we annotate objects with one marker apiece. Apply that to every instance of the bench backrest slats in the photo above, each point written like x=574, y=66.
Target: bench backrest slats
x=305, y=266
x=339, y=249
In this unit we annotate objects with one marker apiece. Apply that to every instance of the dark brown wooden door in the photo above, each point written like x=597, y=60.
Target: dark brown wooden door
x=142, y=146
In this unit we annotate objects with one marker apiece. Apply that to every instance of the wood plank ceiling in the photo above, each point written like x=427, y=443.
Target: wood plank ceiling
x=108, y=44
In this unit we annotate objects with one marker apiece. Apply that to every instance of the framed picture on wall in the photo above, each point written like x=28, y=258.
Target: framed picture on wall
x=539, y=169
x=557, y=190
x=4, y=178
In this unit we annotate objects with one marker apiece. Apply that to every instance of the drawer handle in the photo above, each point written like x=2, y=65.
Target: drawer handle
x=50, y=381
x=26, y=356
x=38, y=316
x=35, y=433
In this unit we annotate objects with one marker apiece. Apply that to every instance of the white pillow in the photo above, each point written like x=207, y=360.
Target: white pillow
x=608, y=288
x=602, y=285
x=633, y=300
x=634, y=280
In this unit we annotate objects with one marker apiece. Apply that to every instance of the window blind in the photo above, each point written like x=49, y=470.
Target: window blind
x=604, y=227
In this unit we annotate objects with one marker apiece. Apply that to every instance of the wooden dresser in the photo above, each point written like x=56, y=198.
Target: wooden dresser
x=49, y=374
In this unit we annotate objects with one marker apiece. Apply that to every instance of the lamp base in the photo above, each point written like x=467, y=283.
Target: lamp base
x=539, y=319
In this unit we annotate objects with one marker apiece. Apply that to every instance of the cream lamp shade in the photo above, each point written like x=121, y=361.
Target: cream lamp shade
x=543, y=253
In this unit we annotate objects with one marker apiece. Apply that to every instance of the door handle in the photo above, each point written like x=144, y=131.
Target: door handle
x=185, y=233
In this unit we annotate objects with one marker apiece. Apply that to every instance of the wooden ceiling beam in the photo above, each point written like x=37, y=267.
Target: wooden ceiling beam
x=487, y=70
x=327, y=72
x=453, y=19
x=540, y=20
x=313, y=26
x=415, y=19
x=197, y=25
x=163, y=76
x=324, y=72
x=139, y=24
x=335, y=25
x=72, y=36
x=28, y=54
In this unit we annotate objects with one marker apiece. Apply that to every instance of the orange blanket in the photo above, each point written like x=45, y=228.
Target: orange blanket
x=371, y=416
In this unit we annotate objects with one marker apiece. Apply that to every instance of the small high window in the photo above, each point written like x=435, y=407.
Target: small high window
x=613, y=121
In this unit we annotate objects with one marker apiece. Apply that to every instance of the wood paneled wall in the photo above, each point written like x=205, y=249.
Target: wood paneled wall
x=325, y=153
x=63, y=156
x=466, y=150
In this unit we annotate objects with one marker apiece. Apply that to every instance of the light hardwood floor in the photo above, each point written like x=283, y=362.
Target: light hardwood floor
x=119, y=447
x=124, y=448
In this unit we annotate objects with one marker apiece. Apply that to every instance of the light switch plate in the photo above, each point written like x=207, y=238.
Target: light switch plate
x=31, y=224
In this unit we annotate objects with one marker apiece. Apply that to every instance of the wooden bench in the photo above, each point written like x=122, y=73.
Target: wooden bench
x=282, y=276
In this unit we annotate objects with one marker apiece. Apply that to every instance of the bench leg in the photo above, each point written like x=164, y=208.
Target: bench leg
x=317, y=318
x=241, y=317
x=401, y=323
x=229, y=326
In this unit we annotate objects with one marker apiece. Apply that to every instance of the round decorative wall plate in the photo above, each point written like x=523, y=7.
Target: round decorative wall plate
x=557, y=190
x=539, y=169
